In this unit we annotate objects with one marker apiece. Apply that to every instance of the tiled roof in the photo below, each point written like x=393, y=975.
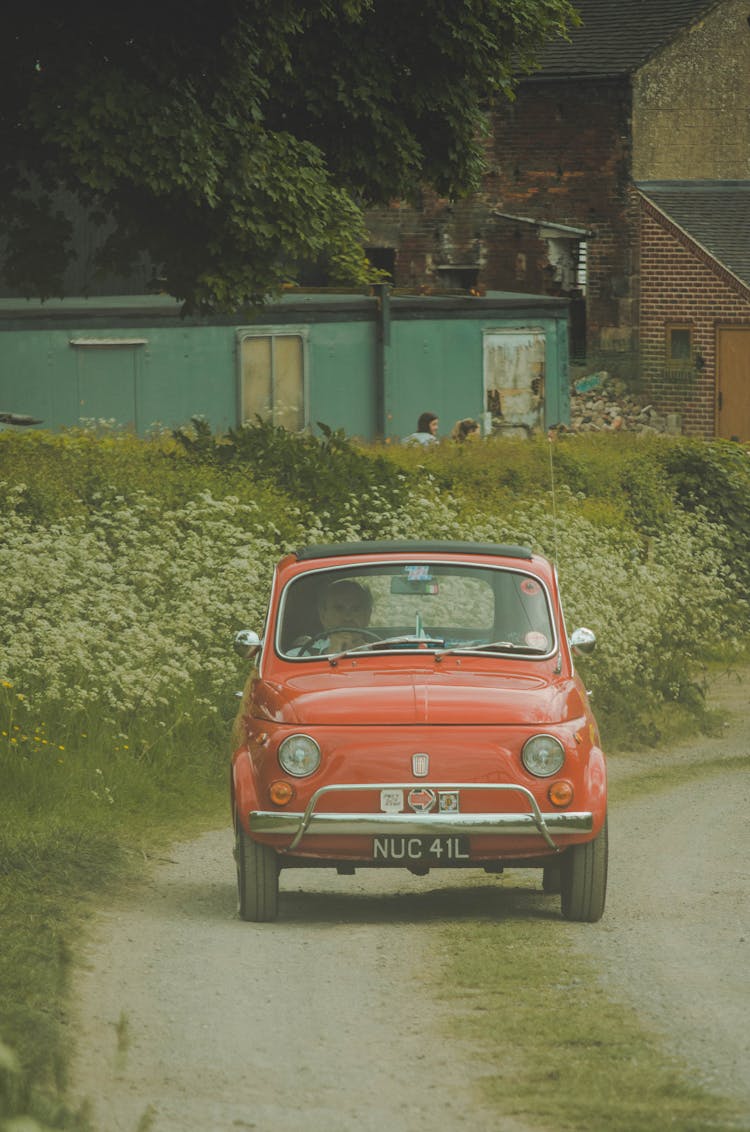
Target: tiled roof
x=618, y=36
x=715, y=213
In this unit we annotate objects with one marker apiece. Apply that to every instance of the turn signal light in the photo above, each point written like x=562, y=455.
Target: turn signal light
x=560, y=793
x=281, y=793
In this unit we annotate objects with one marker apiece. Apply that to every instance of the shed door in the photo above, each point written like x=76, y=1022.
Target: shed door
x=272, y=379
x=733, y=380
x=514, y=377
x=107, y=379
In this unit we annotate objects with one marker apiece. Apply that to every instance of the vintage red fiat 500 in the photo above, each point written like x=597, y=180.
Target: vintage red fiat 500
x=415, y=705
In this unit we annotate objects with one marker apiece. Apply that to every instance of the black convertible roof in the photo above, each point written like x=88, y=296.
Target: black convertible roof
x=412, y=546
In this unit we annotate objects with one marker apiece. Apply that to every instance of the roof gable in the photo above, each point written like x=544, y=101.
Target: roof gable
x=618, y=36
x=716, y=214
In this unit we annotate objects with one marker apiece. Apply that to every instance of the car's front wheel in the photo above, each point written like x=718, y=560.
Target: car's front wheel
x=257, y=878
x=583, y=879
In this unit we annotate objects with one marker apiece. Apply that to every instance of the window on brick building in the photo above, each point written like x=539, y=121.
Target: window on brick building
x=679, y=346
x=384, y=259
x=582, y=268
x=458, y=276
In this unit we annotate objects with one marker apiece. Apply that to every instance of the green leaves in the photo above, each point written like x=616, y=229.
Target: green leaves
x=231, y=141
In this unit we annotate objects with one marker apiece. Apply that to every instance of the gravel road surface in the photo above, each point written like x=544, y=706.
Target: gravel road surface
x=188, y=1020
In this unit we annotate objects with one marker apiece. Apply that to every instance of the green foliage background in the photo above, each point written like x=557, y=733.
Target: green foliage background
x=231, y=142
x=129, y=564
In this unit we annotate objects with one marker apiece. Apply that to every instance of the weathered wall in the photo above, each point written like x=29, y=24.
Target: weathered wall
x=680, y=283
x=158, y=369
x=691, y=105
x=559, y=152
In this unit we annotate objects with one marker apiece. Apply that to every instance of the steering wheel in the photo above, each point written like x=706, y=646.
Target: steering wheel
x=307, y=648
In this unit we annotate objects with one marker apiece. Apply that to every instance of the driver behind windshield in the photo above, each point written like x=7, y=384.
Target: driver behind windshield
x=343, y=608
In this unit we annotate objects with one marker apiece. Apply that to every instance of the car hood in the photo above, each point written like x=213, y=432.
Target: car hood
x=445, y=696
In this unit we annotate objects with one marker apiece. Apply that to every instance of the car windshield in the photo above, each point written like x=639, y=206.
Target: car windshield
x=414, y=605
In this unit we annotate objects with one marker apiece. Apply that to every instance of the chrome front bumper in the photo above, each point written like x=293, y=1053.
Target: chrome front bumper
x=311, y=823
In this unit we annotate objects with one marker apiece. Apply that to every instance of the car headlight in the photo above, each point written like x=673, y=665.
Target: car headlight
x=299, y=755
x=543, y=755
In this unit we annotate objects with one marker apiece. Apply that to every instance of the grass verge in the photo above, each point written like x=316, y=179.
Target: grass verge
x=564, y=1055
x=55, y=870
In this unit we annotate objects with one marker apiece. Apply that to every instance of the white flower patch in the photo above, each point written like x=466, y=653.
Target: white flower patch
x=129, y=613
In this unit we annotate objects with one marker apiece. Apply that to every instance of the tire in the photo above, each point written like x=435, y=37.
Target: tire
x=583, y=877
x=257, y=878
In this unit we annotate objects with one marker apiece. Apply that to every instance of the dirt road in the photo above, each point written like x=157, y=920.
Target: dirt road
x=191, y=1021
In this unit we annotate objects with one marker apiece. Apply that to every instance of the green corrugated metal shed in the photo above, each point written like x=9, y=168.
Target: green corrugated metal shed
x=372, y=363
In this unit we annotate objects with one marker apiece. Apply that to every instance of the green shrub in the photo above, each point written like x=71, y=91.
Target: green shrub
x=714, y=478
x=325, y=476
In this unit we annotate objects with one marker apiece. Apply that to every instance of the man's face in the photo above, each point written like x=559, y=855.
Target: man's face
x=343, y=607
x=434, y=426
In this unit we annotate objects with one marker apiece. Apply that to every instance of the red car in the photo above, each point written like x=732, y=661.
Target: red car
x=415, y=705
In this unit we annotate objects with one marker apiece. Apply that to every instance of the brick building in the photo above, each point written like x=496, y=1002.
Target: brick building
x=695, y=303
x=645, y=92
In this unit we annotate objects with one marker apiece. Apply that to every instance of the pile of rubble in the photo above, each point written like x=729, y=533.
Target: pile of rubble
x=600, y=403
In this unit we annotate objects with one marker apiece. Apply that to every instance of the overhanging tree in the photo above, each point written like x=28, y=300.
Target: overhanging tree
x=231, y=139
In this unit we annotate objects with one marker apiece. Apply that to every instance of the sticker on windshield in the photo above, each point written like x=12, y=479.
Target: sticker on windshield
x=530, y=587
x=417, y=578
x=418, y=573
x=536, y=640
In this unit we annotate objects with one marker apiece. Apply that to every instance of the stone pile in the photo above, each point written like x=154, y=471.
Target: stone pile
x=600, y=403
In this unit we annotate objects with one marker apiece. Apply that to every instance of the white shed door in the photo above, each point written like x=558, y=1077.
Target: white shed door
x=514, y=377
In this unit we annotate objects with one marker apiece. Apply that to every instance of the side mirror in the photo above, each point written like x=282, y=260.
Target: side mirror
x=247, y=644
x=583, y=641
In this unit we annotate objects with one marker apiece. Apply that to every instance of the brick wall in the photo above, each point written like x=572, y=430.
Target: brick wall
x=559, y=152
x=680, y=283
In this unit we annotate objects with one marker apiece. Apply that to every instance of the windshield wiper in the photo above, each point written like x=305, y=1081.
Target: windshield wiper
x=410, y=639
x=494, y=646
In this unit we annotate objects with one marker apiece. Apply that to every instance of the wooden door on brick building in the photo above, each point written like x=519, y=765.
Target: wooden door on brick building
x=733, y=382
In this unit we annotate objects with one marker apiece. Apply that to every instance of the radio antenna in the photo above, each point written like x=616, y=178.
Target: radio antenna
x=550, y=441
x=556, y=561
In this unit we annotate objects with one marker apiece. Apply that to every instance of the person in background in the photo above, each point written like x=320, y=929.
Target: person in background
x=467, y=429
x=426, y=433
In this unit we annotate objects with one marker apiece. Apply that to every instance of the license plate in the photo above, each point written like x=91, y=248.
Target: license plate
x=436, y=850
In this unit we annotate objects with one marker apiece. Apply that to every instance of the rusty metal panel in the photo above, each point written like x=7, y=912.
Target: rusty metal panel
x=514, y=371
